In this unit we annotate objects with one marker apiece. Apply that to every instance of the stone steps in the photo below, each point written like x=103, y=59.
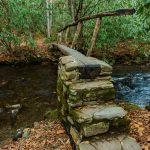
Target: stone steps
x=88, y=121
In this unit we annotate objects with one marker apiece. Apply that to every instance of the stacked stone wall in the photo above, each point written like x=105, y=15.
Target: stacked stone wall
x=87, y=106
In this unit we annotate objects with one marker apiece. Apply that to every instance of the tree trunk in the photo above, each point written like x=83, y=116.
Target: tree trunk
x=66, y=35
x=95, y=34
x=49, y=16
x=77, y=33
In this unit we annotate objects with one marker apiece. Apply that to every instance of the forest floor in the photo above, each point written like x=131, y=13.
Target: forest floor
x=26, y=55
x=51, y=135
x=124, y=52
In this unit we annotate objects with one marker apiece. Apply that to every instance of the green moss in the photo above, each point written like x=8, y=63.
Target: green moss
x=117, y=122
x=148, y=107
x=92, y=95
x=51, y=114
x=129, y=106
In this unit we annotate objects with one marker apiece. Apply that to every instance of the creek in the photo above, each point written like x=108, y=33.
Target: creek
x=132, y=84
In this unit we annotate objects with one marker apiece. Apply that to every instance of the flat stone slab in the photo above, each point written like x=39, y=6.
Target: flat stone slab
x=110, y=113
x=104, y=66
x=82, y=59
x=122, y=142
x=129, y=144
x=85, y=114
x=89, y=113
x=89, y=69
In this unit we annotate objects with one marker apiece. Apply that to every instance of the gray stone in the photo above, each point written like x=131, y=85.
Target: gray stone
x=67, y=83
x=104, y=66
x=95, y=129
x=108, y=78
x=63, y=110
x=26, y=133
x=36, y=124
x=73, y=92
x=71, y=75
x=66, y=59
x=105, y=73
x=110, y=113
x=79, y=104
x=71, y=66
x=100, y=145
x=58, y=98
x=101, y=90
x=64, y=88
x=130, y=144
x=110, y=142
x=92, y=85
x=84, y=114
x=70, y=120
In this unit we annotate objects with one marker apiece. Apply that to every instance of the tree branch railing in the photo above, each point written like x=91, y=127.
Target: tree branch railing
x=99, y=16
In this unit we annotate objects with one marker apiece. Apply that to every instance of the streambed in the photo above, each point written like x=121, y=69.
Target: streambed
x=34, y=87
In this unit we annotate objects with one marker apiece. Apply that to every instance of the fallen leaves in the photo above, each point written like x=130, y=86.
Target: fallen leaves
x=52, y=136
x=140, y=127
x=46, y=135
x=60, y=132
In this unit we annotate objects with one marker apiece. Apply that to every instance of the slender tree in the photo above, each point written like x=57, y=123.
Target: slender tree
x=49, y=16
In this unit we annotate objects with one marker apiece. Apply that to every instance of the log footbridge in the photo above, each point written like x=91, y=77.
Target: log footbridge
x=86, y=96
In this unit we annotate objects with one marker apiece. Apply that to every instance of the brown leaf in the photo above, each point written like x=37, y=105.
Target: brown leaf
x=60, y=132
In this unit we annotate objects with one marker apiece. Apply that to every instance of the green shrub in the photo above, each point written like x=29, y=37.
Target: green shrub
x=19, y=20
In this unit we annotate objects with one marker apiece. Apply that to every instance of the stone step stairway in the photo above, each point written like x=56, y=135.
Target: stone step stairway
x=86, y=105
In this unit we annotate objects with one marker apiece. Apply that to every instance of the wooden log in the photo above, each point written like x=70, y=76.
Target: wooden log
x=119, y=12
x=77, y=33
x=94, y=37
x=66, y=35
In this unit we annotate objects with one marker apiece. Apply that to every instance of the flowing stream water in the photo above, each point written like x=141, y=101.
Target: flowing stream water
x=34, y=87
x=132, y=84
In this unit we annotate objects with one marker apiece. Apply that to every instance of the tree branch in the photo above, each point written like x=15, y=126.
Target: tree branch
x=119, y=12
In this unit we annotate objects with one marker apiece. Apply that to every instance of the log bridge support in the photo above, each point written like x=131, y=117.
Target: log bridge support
x=86, y=103
x=79, y=23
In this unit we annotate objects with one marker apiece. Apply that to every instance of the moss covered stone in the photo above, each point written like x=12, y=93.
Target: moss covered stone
x=95, y=129
x=76, y=136
x=91, y=91
x=128, y=106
